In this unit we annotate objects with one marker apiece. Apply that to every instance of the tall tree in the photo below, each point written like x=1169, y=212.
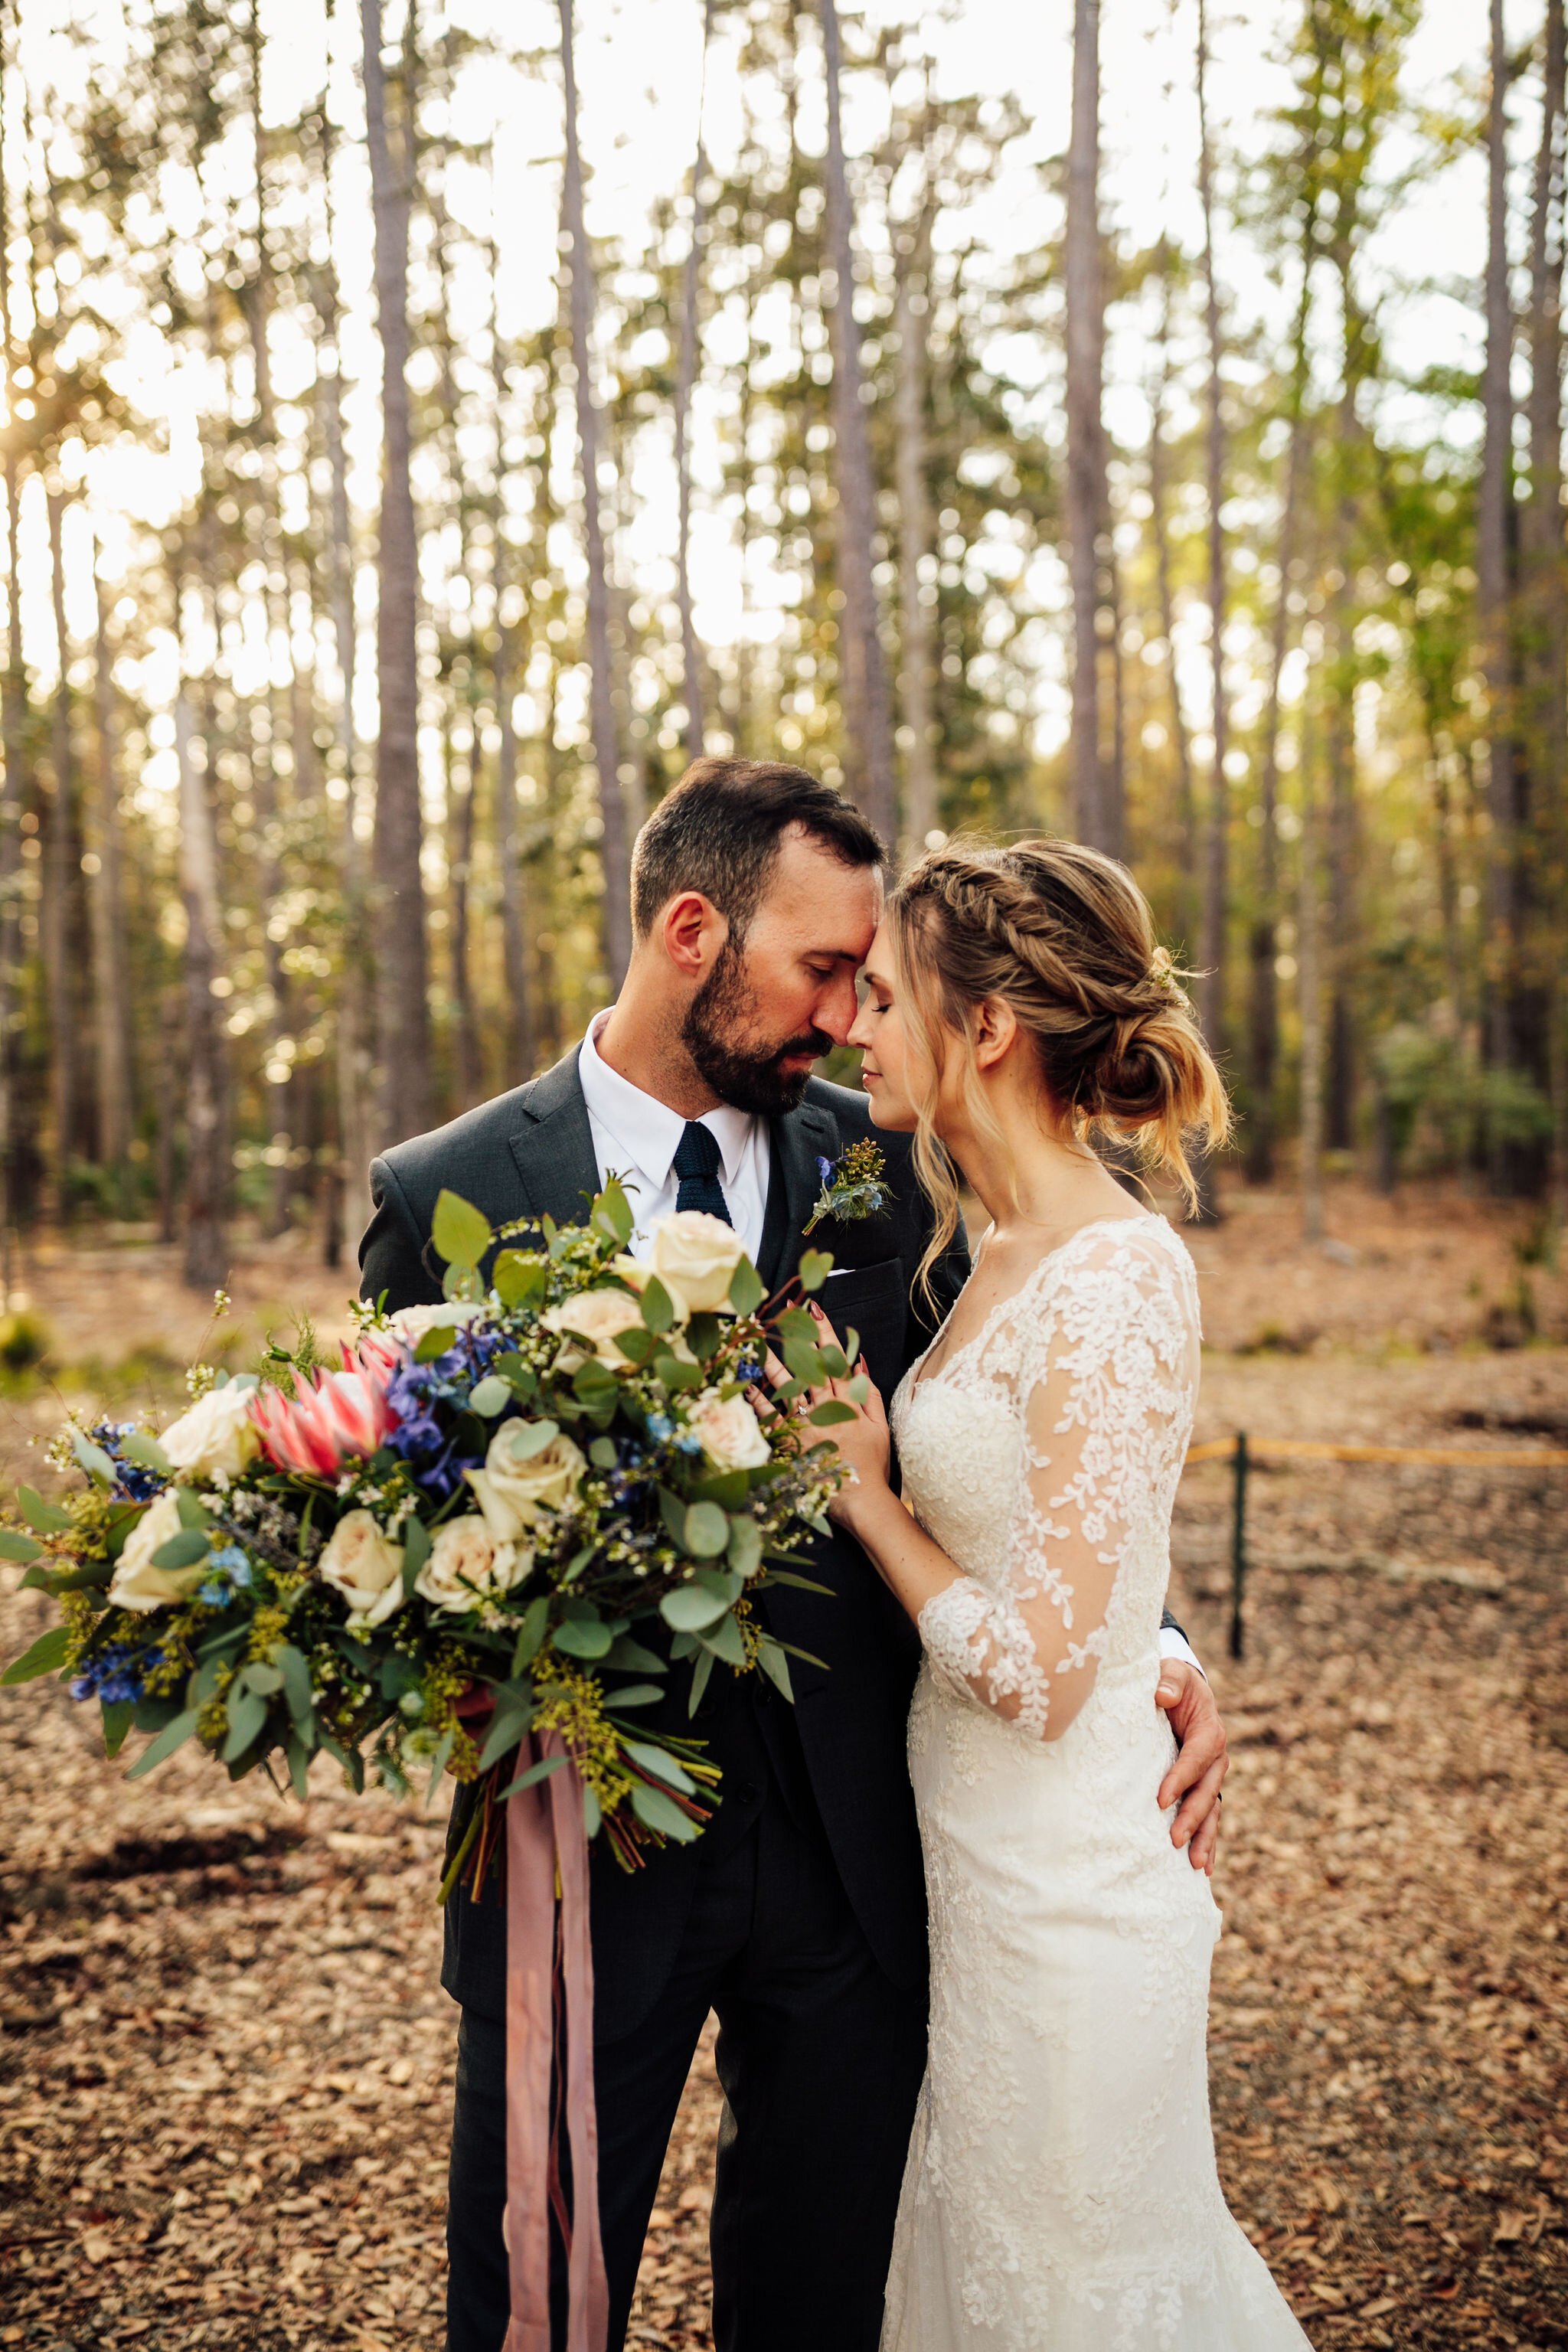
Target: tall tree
x=862, y=669
x=614, y=849
x=1211, y=986
x=1164, y=584
x=684, y=383
x=912, y=459
x=110, y=958
x=1086, y=497
x=1492, y=584
x=401, y=1000
x=59, y=865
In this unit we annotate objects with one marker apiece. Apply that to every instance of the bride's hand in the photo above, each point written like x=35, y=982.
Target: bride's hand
x=863, y=1444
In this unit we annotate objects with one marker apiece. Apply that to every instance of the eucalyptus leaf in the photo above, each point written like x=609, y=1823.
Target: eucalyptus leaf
x=531, y=1635
x=264, y=1677
x=663, y=1767
x=690, y=1610
x=92, y=1458
x=634, y=1695
x=435, y=1342
x=635, y=1658
x=658, y=1306
x=583, y=1638
x=699, y=1674
x=535, y=1772
x=46, y=1656
x=461, y=1233
x=246, y=1712
x=190, y=1510
x=831, y=1409
x=18, y=1547
x=524, y=1439
x=602, y=1453
x=661, y=1813
x=463, y=1283
x=774, y=1664
x=490, y=1396
x=416, y=1551
x=746, y=1291
x=117, y=1715
x=745, y=1547
x=183, y=1550
x=298, y=1759
x=45, y=1517
x=705, y=1531
x=813, y=1269
x=138, y=1446
x=724, y=1640
x=505, y=1731
x=174, y=1735
x=518, y=1280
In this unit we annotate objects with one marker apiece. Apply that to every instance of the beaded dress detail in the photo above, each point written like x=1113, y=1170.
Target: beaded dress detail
x=1061, y=2193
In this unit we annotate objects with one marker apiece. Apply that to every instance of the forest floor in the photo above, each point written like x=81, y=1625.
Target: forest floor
x=226, y=2058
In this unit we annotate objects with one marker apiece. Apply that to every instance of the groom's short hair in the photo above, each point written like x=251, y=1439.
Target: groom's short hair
x=719, y=831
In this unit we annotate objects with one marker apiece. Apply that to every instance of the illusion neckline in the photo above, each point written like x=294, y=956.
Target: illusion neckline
x=1047, y=1257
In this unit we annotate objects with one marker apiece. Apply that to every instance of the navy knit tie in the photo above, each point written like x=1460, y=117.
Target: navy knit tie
x=697, y=1163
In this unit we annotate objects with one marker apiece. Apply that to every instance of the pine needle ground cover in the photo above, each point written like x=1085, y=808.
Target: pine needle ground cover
x=224, y=2064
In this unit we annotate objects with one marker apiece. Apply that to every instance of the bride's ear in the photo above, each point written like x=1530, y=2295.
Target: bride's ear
x=995, y=1032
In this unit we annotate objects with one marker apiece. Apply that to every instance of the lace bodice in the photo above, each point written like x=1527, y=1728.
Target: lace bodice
x=1043, y=1456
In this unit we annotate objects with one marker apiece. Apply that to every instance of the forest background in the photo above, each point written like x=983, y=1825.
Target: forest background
x=428, y=422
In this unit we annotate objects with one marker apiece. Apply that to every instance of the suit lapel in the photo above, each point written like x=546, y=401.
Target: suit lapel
x=797, y=1141
x=554, y=1146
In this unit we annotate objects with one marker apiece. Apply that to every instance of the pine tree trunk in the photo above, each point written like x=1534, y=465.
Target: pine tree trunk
x=1085, y=487
x=1215, y=879
x=1310, y=992
x=916, y=646
x=1264, y=1007
x=1492, y=587
x=862, y=669
x=58, y=865
x=615, y=849
x=1159, y=524
x=513, y=911
x=12, y=729
x=111, y=956
x=353, y=1040
x=402, y=1005
x=685, y=382
x=207, y=1250
x=1543, y=895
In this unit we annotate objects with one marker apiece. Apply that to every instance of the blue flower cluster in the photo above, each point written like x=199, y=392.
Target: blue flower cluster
x=118, y=1676
x=825, y=1168
x=232, y=1572
x=413, y=1394
x=132, y=1481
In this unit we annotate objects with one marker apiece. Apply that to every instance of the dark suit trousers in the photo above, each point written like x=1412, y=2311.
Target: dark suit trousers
x=820, y=2058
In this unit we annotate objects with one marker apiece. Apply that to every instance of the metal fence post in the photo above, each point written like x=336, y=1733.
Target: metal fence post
x=1238, y=1551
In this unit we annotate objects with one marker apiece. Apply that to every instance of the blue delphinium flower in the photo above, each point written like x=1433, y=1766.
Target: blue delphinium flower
x=117, y=1676
x=415, y=1390
x=825, y=1168
x=133, y=1481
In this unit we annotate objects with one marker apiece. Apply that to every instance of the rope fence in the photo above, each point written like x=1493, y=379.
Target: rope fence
x=1243, y=1449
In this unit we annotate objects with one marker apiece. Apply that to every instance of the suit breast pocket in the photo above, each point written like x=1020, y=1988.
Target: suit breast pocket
x=873, y=1301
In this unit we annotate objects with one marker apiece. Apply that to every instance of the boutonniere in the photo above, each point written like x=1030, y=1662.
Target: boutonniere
x=852, y=1186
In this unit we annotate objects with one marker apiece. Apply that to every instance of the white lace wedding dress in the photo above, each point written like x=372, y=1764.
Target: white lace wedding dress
x=1061, y=2193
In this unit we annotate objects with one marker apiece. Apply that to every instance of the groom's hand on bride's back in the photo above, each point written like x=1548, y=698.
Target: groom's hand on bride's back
x=1194, y=1780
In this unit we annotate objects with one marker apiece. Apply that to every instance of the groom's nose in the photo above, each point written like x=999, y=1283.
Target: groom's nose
x=837, y=1007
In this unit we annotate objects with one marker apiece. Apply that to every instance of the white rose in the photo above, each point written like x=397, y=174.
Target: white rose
x=695, y=1256
x=514, y=1488
x=595, y=1316
x=217, y=1437
x=731, y=1432
x=411, y=1323
x=136, y=1583
x=366, y=1567
x=466, y=1565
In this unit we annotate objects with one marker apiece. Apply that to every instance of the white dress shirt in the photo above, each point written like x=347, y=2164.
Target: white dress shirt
x=636, y=1138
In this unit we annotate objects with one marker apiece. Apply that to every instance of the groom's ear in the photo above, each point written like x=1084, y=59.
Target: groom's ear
x=692, y=933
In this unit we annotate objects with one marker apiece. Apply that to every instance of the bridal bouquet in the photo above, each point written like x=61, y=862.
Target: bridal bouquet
x=489, y=1497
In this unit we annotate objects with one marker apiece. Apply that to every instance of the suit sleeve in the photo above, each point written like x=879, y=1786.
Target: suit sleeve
x=392, y=1252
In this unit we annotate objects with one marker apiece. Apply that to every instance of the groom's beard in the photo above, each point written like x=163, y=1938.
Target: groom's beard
x=745, y=1074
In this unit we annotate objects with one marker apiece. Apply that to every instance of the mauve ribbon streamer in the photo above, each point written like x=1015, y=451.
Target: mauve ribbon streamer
x=546, y=1839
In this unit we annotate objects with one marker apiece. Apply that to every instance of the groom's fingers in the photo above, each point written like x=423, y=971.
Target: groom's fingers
x=1205, y=1843
x=1198, y=1817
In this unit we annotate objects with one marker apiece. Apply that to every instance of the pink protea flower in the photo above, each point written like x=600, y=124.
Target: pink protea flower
x=333, y=1418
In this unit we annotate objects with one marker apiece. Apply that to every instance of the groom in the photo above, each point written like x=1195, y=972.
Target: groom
x=799, y=1915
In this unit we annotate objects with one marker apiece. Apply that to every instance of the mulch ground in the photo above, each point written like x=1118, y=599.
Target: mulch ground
x=226, y=2059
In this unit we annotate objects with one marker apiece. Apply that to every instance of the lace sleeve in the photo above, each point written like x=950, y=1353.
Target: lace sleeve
x=1103, y=1364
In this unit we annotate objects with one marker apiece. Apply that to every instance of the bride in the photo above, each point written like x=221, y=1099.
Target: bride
x=1060, y=2191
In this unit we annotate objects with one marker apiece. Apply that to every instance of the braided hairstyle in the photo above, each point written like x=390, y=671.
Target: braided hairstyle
x=1063, y=936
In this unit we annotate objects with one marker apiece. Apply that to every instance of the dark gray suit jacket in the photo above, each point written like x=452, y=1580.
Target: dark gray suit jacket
x=529, y=1154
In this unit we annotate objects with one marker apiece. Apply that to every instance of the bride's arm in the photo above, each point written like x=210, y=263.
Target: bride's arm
x=1100, y=1385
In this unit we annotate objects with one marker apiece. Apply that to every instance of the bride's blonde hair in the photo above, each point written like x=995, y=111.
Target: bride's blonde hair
x=1063, y=936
